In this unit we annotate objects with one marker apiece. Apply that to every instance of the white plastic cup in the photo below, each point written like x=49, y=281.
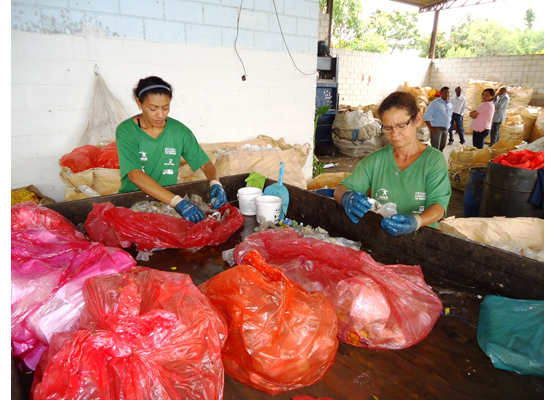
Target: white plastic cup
x=246, y=197
x=269, y=208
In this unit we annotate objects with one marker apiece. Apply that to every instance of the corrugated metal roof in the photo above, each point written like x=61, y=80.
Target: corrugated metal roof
x=435, y=5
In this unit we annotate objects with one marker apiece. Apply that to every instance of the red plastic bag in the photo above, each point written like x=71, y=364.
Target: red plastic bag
x=81, y=158
x=144, y=334
x=108, y=157
x=48, y=270
x=378, y=306
x=524, y=159
x=152, y=230
x=280, y=337
x=29, y=215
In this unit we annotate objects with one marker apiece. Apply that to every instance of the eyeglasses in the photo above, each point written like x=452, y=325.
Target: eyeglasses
x=398, y=127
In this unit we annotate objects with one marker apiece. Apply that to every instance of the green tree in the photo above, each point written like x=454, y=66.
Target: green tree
x=491, y=38
x=347, y=24
x=398, y=29
x=529, y=18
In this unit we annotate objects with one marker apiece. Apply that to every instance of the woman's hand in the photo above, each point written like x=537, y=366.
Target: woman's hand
x=474, y=114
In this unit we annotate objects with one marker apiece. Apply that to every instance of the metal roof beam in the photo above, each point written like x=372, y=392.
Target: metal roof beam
x=445, y=5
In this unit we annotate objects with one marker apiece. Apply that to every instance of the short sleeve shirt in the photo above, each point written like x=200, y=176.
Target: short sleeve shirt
x=424, y=183
x=158, y=158
x=483, y=120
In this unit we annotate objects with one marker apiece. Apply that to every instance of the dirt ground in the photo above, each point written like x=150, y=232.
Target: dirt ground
x=344, y=163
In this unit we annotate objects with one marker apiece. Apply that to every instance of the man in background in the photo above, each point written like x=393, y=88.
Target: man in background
x=459, y=104
x=501, y=102
x=438, y=118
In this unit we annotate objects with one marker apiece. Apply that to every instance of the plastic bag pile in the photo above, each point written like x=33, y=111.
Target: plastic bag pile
x=121, y=227
x=377, y=306
x=89, y=156
x=144, y=334
x=50, y=261
x=280, y=336
x=524, y=159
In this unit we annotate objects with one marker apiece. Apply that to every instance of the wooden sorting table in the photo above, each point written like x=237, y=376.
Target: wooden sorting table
x=448, y=364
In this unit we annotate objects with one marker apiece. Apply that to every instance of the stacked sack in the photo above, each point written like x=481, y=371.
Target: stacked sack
x=356, y=133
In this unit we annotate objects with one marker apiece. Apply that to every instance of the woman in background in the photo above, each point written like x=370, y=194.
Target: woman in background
x=481, y=119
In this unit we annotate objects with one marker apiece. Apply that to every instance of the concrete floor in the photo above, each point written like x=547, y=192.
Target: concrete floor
x=344, y=163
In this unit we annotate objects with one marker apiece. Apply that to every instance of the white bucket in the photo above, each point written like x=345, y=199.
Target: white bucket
x=246, y=196
x=268, y=207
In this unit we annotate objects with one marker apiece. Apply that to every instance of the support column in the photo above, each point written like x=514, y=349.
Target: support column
x=432, y=53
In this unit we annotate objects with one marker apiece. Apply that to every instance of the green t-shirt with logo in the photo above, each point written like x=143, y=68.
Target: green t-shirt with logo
x=424, y=183
x=158, y=158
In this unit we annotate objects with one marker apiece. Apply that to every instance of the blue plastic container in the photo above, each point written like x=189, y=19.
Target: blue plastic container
x=473, y=192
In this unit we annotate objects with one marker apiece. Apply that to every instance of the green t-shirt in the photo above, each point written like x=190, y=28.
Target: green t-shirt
x=424, y=183
x=158, y=158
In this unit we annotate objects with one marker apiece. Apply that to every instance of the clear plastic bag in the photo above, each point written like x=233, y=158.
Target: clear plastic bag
x=105, y=115
x=144, y=334
x=280, y=337
x=378, y=306
x=50, y=261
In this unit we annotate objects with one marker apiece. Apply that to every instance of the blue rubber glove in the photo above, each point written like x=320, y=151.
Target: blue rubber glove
x=189, y=211
x=355, y=204
x=217, y=192
x=399, y=224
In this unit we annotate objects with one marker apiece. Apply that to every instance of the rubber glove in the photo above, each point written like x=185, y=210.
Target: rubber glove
x=399, y=224
x=355, y=204
x=189, y=211
x=217, y=193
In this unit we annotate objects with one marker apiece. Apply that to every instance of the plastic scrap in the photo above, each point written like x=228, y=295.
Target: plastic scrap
x=524, y=159
x=144, y=334
x=279, y=190
x=122, y=227
x=511, y=333
x=50, y=261
x=386, y=210
x=378, y=306
x=280, y=337
x=108, y=157
x=255, y=180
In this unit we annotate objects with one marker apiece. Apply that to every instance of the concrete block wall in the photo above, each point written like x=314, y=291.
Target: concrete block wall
x=525, y=71
x=56, y=45
x=323, y=26
x=367, y=78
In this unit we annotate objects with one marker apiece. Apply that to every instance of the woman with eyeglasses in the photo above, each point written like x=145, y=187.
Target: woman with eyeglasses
x=406, y=172
x=150, y=146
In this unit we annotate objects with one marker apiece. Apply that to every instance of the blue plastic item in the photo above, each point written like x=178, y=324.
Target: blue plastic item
x=189, y=211
x=399, y=224
x=277, y=189
x=325, y=192
x=217, y=194
x=355, y=204
x=510, y=332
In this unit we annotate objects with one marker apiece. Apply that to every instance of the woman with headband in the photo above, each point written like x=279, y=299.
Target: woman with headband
x=150, y=146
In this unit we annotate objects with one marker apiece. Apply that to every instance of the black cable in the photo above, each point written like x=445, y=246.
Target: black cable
x=244, y=77
x=287, y=47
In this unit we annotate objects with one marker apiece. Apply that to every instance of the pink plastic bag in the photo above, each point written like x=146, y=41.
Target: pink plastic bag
x=144, y=334
x=280, y=337
x=112, y=225
x=378, y=306
x=48, y=270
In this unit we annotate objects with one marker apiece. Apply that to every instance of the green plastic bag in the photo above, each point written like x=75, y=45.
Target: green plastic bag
x=510, y=332
x=255, y=180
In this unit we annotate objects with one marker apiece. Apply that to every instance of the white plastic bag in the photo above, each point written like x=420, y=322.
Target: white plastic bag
x=105, y=115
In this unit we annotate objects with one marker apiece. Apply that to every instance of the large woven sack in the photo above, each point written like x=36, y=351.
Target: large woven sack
x=357, y=148
x=230, y=159
x=356, y=125
x=512, y=128
x=537, y=132
x=474, y=92
x=529, y=115
x=93, y=182
x=421, y=94
x=519, y=96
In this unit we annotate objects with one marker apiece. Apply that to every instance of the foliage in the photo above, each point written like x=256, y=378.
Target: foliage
x=529, y=18
x=398, y=29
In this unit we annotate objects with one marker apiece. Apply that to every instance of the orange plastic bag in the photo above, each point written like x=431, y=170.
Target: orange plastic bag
x=81, y=158
x=524, y=159
x=378, y=306
x=144, y=334
x=108, y=157
x=280, y=336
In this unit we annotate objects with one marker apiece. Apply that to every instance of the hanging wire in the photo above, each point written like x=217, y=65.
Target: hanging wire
x=448, y=313
x=244, y=77
x=287, y=47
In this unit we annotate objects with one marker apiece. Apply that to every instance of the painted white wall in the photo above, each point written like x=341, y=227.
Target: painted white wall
x=57, y=43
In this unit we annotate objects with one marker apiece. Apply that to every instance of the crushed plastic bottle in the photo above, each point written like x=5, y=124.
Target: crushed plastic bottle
x=386, y=210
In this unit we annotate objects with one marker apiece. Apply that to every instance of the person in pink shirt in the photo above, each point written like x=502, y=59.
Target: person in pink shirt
x=481, y=119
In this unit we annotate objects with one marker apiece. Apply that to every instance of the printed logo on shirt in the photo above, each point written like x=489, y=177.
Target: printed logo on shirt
x=419, y=195
x=421, y=209
x=170, y=162
x=167, y=172
x=143, y=156
x=381, y=194
x=170, y=151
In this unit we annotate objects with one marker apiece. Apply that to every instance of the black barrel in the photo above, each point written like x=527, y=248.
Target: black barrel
x=507, y=192
x=473, y=192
